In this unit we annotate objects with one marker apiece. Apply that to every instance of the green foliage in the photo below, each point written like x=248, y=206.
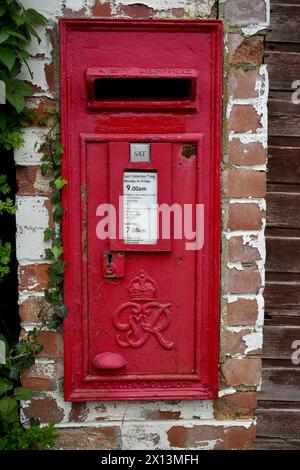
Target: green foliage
x=5, y=251
x=52, y=159
x=13, y=435
x=16, y=31
x=6, y=206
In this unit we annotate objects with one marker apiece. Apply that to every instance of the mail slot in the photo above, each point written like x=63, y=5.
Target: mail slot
x=141, y=127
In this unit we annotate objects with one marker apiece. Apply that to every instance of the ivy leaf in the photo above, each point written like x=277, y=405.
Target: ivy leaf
x=23, y=88
x=5, y=385
x=2, y=9
x=32, y=16
x=45, y=168
x=60, y=182
x=48, y=234
x=3, y=37
x=9, y=409
x=24, y=55
x=21, y=393
x=48, y=254
x=61, y=311
x=58, y=154
x=16, y=34
x=17, y=101
x=33, y=33
x=57, y=251
x=18, y=19
x=7, y=57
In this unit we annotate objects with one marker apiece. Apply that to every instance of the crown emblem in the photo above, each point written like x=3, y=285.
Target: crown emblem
x=142, y=287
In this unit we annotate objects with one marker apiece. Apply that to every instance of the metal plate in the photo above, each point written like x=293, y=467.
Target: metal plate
x=140, y=153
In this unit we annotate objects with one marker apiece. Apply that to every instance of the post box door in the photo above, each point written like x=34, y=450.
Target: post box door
x=142, y=320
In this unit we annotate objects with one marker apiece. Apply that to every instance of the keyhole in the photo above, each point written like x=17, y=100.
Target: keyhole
x=109, y=258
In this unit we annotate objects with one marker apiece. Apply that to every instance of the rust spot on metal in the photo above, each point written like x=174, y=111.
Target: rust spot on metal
x=83, y=191
x=188, y=150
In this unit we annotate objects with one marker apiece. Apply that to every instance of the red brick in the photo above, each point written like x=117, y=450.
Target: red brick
x=235, y=406
x=237, y=372
x=240, y=183
x=78, y=412
x=251, y=153
x=243, y=118
x=41, y=107
x=242, y=312
x=69, y=13
x=245, y=217
x=195, y=436
x=89, y=438
x=49, y=206
x=30, y=181
x=52, y=343
x=198, y=437
x=244, y=281
x=161, y=414
x=45, y=409
x=238, y=251
x=136, y=10
x=33, y=277
x=243, y=84
x=103, y=10
x=245, y=13
x=38, y=378
x=239, y=438
x=29, y=310
x=234, y=343
x=245, y=50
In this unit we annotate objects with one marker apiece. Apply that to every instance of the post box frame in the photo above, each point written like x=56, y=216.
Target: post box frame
x=72, y=201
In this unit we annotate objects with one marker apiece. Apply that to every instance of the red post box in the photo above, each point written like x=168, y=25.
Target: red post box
x=141, y=126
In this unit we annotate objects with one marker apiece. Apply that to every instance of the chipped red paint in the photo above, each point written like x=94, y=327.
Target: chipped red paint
x=161, y=318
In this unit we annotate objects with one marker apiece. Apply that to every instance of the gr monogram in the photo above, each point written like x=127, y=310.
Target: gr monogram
x=142, y=316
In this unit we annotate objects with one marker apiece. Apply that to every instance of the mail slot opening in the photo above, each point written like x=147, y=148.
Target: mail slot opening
x=145, y=89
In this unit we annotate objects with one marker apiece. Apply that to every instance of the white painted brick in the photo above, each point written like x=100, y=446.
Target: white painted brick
x=253, y=341
x=30, y=246
x=199, y=8
x=29, y=154
x=31, y=212
x=44, y=47
x=38, y=78
x=145, y=436
x=75, y=5
x=51, y=9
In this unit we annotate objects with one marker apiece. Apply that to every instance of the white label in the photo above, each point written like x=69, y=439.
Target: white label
x=140, y=153
x=140, y=207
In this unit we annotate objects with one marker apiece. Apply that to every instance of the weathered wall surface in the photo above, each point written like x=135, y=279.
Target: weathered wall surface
x=225, y=423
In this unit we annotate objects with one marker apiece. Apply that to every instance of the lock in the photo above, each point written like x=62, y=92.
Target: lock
x=113, y=264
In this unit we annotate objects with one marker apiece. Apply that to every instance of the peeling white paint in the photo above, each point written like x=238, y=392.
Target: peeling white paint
x=38, y=78
x=23, y=296
x=194, y=8
x=44, y=48
x=253, y=341
x=226, y=391
x=255, y=28
x=30, y=247
x=29, y=154
x=51, y=9
x=31, y=212
x=75, y=5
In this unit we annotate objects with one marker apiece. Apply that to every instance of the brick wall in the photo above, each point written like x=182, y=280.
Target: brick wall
x=229, y=421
